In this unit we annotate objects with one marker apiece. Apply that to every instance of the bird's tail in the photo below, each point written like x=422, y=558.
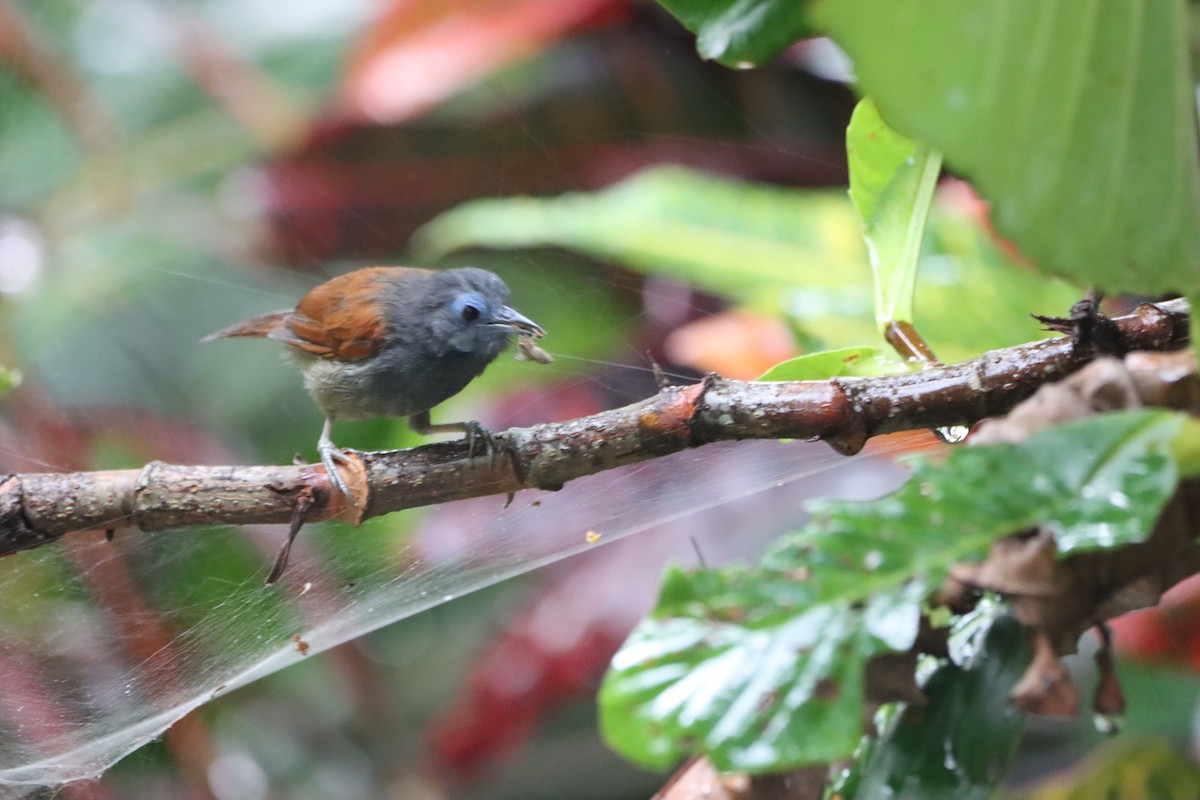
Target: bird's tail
x=259, y=326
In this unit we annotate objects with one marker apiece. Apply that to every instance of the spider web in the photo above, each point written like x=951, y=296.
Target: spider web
x=139, y=631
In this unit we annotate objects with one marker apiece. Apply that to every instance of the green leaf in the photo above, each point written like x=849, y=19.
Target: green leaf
x=857, y=361
x=731, y=665
x=959, y=745
x=760, y=668
x=1107, y=477
x=1077, y=122
x=742, y=32
x=971, y=296
x=786, y=251
x=734, y=237
x=1097, y=483
x=892, y=179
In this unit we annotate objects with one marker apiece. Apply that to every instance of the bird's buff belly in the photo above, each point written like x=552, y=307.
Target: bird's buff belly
x=353, y=392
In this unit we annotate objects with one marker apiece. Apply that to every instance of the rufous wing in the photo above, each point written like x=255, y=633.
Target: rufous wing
x=343, y=318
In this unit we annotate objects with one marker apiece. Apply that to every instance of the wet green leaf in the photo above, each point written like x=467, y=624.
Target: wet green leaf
x=1103, y=481
x=892, y=178
x=1077, y=122
x=1097, y=482
x=760, y=667
x=959, y=745
x=756, y=669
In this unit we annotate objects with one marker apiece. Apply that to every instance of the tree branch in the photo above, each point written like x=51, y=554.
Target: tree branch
x=37, y=508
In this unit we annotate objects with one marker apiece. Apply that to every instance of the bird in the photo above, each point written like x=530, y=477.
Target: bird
x=393, y=342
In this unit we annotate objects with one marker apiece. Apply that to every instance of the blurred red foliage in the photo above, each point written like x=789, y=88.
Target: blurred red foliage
x=1167, y=633
x=619, y=90
x=417, y=54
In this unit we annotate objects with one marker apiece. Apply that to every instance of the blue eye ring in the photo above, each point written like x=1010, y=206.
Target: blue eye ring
x=469, y=305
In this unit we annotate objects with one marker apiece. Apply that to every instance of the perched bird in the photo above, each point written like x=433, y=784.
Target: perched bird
x=392, y=341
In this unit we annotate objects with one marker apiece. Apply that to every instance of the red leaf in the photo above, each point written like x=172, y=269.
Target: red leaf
x=420, y=53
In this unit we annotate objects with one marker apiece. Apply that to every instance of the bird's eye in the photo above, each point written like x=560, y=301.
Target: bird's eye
x=468, y=306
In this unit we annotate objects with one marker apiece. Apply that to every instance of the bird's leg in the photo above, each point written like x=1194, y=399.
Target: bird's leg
x=331, y=456
x=472, y=431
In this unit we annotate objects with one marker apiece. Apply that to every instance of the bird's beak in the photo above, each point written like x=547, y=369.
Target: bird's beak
x=513, y=319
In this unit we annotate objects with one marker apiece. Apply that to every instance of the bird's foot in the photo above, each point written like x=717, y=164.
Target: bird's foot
x=331, y=456
x=476, y=434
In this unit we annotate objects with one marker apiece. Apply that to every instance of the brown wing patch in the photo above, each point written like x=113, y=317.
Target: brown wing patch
x=342, y=318
x=304, y=334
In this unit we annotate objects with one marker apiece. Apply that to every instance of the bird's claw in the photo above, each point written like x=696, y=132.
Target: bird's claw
x=331, y=456
x=477, y=433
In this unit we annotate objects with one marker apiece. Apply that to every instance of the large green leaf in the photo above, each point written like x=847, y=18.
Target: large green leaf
x=788, y=251
x=959, y=745
x=1098, y=482
x=726, y=235
x=892, y=178
x=1076, y=120
x=740, y=32
x=756, y=669
x=760, y=668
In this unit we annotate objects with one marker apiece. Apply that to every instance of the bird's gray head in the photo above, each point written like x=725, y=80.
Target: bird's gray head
x=468, y=312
